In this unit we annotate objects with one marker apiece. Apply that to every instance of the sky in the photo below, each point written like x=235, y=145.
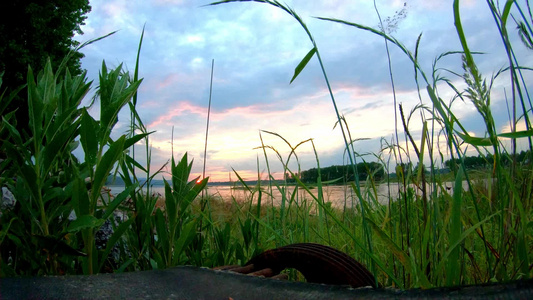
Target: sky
x=256, y=47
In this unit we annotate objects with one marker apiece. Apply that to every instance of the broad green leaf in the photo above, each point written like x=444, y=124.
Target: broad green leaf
x=131, y=141
x=162, y=235
x=52, y=193
x=115, y=92
x=180, y=177
x=35, y=107
x=153, y=262
x=133, y=162
x=196, y=189
x=126, y=168
x=85, y=222
x=118, y=200
x=517, y=134
x=55, y=147
x=88, y=138
x=171, y=205
x=104, y=167
x=186, y=237
x=47, y=84
x=30, y=180
x=474, y=141
x=17, y=139
x=80, y=197
x=303, y=63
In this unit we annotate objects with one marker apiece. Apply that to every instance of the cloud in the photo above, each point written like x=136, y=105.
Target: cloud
x=183, y=108
x=256, y=48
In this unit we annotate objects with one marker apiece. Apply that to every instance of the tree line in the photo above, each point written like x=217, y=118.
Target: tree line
x=486, y=161
x=340, y=173
x=345, y=173
x=31, y=33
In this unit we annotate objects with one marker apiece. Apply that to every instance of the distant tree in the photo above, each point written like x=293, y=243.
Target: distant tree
x=404, y=168
x=344, y=173
x=472, y=162
x=31, y=31
x=309, y=175
x=289, y=178
x=523, y=156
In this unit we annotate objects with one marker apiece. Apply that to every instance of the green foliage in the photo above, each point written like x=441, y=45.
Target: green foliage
x=43, y=163
x=340, y=174
x=427, y=236
x=42, y=31
x=50, y=183
x=487, y=161
x=61, y=202
x=176, y=227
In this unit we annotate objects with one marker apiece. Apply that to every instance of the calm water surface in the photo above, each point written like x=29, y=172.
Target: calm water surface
x=339, y=196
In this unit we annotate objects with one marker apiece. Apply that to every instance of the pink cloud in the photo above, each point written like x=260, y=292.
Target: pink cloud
x=178, y=79
x=167, y=81
x=182, y=108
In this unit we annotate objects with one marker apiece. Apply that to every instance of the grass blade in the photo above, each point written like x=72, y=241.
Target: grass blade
x=303, y=63
x=453, y=265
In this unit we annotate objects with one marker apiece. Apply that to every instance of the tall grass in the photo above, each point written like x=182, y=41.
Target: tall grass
x=425, y=236
x=439, y=238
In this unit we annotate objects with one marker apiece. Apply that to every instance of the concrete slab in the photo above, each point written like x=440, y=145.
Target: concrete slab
x=199, y=283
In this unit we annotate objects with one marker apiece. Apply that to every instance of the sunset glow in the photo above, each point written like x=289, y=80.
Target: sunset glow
x=256, y=48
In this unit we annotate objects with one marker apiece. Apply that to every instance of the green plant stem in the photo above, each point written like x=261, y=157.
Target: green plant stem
x=205, y=200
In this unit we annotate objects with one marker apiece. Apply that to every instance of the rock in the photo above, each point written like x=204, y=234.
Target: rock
x=8, y=200
x=105, y=232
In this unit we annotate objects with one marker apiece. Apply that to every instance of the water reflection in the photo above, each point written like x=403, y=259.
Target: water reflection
x=339, y=196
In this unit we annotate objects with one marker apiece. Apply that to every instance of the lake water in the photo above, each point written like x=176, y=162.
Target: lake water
x=339, y=196
x=334, y=194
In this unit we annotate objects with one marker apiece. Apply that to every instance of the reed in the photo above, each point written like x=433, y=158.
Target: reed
x=430, y=234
